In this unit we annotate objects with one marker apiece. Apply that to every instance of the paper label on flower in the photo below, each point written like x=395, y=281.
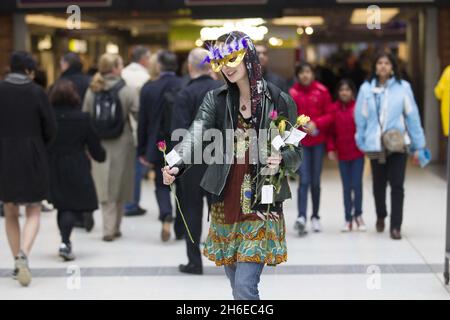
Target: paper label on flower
x=172, y=158
x=277, y=142
x=267, y=194
x=294, y=136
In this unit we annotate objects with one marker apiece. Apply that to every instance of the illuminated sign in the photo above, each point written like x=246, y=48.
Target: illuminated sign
x=62, y=3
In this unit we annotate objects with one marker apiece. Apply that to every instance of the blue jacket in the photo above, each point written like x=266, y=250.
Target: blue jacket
x=395, y=109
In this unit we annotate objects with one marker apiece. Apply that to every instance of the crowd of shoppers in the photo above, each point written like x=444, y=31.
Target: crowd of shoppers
x=87, y=143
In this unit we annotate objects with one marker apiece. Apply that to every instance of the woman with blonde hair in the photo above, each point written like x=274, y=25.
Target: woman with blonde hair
x=111, y=103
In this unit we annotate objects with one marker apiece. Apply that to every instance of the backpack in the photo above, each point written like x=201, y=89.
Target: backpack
x=108, y=116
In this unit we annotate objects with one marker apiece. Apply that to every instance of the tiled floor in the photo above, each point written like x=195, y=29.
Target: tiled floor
x=321, y=266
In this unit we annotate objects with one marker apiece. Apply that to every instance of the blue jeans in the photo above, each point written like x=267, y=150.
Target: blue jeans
x=310, y=172
x=139, y=171
x=162, y=193
x=244, y=279
x=351, y=176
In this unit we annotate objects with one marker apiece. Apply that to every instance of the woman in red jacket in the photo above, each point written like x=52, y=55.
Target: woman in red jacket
x=312, y=99
x=341, y=140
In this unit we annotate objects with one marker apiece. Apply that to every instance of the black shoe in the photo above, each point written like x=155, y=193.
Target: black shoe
x=136, y=212
x=65, y=252
x=380, y=225
x=396, y=234
x=190, y=268
x=88, y=221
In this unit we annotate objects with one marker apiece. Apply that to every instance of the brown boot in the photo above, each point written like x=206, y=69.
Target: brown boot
x=380, y=225
x=395, y=234
x=166, y=226
x=108, y=238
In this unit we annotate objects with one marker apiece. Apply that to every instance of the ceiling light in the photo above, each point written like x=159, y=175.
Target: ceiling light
x=299, y=21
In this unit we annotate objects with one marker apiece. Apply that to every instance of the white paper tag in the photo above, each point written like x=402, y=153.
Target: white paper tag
x=294, y=136
x=277, y=142
x=267, y=194
x=172, y=158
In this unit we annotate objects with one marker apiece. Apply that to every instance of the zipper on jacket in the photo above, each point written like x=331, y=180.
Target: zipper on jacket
x=232, y=128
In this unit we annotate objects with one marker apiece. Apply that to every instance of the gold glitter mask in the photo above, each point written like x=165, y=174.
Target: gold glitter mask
x=230, y=54
x=232, y=60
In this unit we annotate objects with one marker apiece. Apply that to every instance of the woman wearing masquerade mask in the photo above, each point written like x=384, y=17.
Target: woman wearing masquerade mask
x=244, y=234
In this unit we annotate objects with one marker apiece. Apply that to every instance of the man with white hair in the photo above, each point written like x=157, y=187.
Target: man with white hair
x=186, y=106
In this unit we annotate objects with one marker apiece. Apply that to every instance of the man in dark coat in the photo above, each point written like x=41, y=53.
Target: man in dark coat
x=72, y=69
x=156, y=104
x=267, y=74
x=27, y=127
x=187, y=103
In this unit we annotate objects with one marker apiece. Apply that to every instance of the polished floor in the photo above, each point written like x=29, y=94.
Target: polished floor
x=328, y=265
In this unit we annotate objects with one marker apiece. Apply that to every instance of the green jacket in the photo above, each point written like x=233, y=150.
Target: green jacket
x=216, y=112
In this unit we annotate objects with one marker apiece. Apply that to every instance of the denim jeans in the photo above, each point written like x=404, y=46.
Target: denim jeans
x=162, y=193
x=139, y=171
x=310, y=172
x=244, y=279
x=351, y=176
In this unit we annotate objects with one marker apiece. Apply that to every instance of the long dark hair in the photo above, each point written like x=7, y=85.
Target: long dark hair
x=64, y=93
x=393, y=61
x=345, y=82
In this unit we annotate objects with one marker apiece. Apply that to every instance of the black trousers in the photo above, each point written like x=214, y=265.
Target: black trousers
x=192, y=197
x=393, y=171
x=66, y=222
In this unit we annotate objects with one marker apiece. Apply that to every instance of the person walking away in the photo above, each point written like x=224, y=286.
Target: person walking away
x=27, y=127
x=185, y=108
x=72, y=69
x=136, y=74
x=313, y=100
x=155, y=121
x=387, y=128
x=270, y=76
x=72, y=189
x=110, y=102
x=341, y=145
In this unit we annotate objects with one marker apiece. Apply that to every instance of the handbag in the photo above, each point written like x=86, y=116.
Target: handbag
x=392, y=140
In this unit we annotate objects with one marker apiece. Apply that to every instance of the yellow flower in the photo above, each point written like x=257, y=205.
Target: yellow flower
x=302, y=120
x=282, y=126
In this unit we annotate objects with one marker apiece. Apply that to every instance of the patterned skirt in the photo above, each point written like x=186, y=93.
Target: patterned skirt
x=252, y=239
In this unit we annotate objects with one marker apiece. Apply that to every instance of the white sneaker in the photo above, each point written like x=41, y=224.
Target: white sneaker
x=315, y=225
x=23, y=271
x=360, y=225
x=300, y=226
x=347, y=227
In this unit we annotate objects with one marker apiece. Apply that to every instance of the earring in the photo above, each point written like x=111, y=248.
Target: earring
x=392, y=73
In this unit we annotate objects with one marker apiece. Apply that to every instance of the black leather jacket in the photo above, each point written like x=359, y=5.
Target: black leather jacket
x=217, y=112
